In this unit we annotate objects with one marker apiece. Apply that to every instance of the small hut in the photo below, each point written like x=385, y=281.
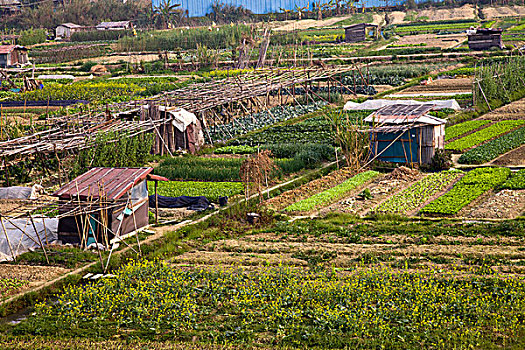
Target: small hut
x=485, y=38
x=405, y=134
x=13, y=56
x=360, y=32
x=66, y=30
x=104, y=203
x=181, y=130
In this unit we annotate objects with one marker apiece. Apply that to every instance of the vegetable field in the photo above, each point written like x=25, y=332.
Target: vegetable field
x=416, y=195
x=484, y=135
x=469, y=188
x=454, y=131
x=516, y=181
x=494, y=148
x=211, y=190
x=333, y=194
x=283, y=300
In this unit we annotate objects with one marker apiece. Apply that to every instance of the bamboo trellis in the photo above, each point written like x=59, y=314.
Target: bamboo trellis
x=77, y=131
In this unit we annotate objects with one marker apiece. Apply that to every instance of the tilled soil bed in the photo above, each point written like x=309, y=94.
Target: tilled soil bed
x=506, y=204
x=381, y=189
x=289, y=197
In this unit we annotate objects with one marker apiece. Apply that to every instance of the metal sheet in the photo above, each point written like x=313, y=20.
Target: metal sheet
x=116, y=182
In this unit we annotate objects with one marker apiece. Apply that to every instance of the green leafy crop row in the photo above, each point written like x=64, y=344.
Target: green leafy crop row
x=470, y=187
x=516, y=181
x=454, y=131
x=333, y=194
x=417, y=194
x=210, y=190
x=484, y=135
x=494, y=148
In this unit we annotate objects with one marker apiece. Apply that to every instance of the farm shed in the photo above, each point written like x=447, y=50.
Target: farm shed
x=122, y=25
x=405, y=134
x=485, y=38
x=180, y=131
x=121, y=205
x=13, y=56
x=359, y=32
x=65, y=30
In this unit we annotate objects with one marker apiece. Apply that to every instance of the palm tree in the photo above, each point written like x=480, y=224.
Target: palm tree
x=165, y=11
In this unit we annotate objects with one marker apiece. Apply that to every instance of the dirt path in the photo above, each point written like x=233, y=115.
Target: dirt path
x=310, y=23
x=515, y=157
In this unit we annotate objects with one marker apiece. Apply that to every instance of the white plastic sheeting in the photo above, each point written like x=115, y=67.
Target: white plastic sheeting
x=17, y=192
x=377, y=104
x=182, y=118
x=22, y=237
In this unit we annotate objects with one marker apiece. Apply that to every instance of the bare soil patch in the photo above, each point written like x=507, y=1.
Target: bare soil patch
x=506, y=204
x=433, y=40
x=514, y=157
x=503, y=11
x=459, y=85
x=463, y=12
x=512, y=111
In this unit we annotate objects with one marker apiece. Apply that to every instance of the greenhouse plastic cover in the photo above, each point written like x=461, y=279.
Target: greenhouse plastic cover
x=17, y=192
x=377, y=104
x=23, y=237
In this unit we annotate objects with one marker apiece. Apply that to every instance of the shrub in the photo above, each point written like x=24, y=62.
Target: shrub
x=32, y=36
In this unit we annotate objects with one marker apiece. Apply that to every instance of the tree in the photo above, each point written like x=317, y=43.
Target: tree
x=166, y=11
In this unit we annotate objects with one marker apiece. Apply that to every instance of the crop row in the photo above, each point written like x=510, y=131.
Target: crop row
x=454, y=131
x=242, y=125
x=211, y=190
x=291, y=158
x=494, y=148
x=8, y=285
x=470, y=187
x=414, y=196
x=484, y=135
x=516, y=181
x=333, y=194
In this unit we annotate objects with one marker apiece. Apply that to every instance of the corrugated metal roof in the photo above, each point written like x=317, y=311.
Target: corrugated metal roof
x=8, y=48
x=116, y=182
x=404, y=114
x=70, y=25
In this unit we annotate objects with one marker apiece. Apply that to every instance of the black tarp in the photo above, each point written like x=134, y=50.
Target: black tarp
x=192, y=203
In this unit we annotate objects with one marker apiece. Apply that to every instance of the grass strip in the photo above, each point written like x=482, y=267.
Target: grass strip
x=333, y=194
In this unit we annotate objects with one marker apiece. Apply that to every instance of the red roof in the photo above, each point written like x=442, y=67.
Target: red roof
x=116, y=182
x=8, y=48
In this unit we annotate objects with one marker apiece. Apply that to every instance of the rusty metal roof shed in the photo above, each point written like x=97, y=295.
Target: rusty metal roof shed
x=113, y=182
x=5, y=49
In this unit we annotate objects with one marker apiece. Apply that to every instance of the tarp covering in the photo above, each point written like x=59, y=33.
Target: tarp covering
x=182, y=118
x=192, y=203
x=377, y=104
x=17, y=192
x=22, y=237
